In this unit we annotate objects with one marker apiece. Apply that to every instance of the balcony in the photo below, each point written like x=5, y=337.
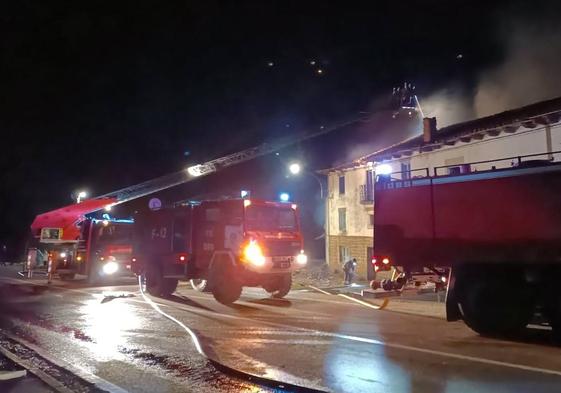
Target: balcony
x=366, y=192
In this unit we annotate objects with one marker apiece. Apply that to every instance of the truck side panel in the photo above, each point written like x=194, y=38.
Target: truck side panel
x=489, y=219
x=403, y=227
x=511, y=215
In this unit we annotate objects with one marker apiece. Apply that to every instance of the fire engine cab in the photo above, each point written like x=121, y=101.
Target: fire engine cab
x=221, y=246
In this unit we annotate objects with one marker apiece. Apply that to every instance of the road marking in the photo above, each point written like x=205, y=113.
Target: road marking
x=375, y=307
x=319, y=290
x=474, y=359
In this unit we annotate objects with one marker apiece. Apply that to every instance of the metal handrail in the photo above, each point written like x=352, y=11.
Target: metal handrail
x=518, y=158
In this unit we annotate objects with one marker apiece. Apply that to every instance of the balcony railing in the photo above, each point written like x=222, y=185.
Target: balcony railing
x=366, y=193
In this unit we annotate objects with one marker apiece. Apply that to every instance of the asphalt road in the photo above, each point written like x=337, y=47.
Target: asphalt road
x=309, y=339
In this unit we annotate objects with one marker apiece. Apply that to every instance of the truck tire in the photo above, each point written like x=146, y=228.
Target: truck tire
x=156, y=284
x=280, y=286
x=200, y=285
x=226, y=288
x=495, y=306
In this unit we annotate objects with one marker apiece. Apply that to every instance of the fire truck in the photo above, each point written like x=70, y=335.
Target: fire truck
x=67, y=241
x=498, y=230
x=222, y=245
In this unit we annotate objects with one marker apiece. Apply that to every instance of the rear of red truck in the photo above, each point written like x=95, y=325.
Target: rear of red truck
x=498, y=230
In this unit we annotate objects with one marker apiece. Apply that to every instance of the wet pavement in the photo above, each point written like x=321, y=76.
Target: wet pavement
x=309, y=339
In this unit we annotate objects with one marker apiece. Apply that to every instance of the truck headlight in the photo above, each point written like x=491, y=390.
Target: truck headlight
x=302, y=258
x=110, y=267
x=253, y=254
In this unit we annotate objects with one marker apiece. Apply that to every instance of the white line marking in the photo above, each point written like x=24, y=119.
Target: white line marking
x=319, y=290
x=388, y=344
x=474, y=359
x=383, y=305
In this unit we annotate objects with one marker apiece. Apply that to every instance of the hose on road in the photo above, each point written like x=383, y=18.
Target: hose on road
x=286, y=387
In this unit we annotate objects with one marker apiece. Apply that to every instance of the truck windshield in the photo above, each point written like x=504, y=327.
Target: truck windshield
x=265, y=218
x=115, y=234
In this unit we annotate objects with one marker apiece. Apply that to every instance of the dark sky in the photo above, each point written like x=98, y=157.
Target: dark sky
x=103, y=94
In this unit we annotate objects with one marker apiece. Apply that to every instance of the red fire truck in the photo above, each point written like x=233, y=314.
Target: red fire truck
x=499, y=231
x=224, y=245
x=68, y=242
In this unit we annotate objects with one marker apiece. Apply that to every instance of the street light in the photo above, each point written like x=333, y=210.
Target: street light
x=81, y=195
x=294, y=168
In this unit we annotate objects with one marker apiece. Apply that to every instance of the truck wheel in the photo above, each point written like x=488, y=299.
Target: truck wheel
x=226, y=288
x=200, y=285
x=496, y=306
x=279, y=287
x=227, y=292
x=157, y=285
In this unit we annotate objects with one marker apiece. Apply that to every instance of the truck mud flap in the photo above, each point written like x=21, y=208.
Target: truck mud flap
x=453, y=312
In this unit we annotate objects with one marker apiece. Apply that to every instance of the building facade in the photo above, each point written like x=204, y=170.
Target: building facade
x=503, y=140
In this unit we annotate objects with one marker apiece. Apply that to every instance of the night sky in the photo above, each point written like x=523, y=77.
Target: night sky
x=100, y=95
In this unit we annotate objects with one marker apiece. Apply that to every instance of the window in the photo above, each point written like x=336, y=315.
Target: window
x=342, y=185
x=454, y=170
x=344, y=254
x=269, y=218
x=405, y=170
x=371, y=221
x=342, y=219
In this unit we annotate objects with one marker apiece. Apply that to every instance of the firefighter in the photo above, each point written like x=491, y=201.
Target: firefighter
x=349, y=269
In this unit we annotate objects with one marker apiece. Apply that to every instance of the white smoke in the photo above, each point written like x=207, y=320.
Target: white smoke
x=530, y=72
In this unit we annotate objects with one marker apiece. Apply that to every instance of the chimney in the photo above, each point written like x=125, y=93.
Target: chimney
x=429, y=129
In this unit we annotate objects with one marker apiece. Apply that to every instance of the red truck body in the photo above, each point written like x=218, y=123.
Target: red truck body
x=498, y=230
x=229, y=243
x=499, y=216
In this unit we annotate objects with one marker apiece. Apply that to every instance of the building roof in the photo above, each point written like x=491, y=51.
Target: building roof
x=530, y=116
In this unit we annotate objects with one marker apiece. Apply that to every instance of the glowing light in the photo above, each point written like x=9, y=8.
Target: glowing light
x=284, y=197
x=108, y=208
x=182, y=258
x=105, y=223
x=443, y=278
x=312, y=62
x=78, y=258
x=253, y=254
x=294, y=206
x=110, y=267
x=376, y=268
x=302, y=258
x=294, y=168
x=385, y=261
x=81, y=195
x=383, y=169
x=246, y=202
x=270, y=64
x=244, y=193
x=320, y=71
x=195, y=170
x=63, y=255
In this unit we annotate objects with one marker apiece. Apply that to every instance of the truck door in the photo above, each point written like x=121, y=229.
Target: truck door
x=209, y=233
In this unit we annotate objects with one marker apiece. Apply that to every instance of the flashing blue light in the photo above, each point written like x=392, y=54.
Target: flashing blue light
x=244, y=193
x=284, y=197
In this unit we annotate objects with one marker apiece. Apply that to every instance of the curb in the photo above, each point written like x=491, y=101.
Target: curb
x=96, y=382
x=47, y=379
